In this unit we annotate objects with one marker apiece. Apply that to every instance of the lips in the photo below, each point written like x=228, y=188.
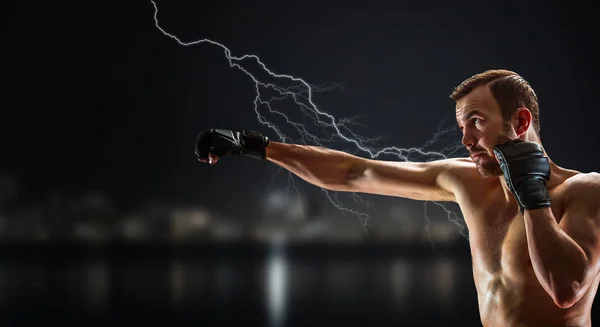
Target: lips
x=476, y=155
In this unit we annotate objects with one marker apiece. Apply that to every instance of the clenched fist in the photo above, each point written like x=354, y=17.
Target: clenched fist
x=212, y=144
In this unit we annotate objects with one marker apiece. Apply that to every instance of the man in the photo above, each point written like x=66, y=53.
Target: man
x=534, y=226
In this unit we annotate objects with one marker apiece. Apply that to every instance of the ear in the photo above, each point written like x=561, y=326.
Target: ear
x=523, y=121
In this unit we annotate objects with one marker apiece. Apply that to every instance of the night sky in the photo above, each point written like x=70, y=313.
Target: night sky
x=96, y=98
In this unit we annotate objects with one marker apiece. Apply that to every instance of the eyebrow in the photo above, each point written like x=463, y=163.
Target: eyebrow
x=470, y=114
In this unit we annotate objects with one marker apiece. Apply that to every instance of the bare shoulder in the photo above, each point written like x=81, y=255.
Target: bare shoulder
x=459, y=173
x=582, y=182
x=583, y=190
x=460, y=168
x=459, y=164
x=462, y=161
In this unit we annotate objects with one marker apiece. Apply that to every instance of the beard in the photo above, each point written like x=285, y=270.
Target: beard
x=486, y=164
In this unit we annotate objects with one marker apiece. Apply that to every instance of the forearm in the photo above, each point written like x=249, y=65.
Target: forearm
x=559, y=263
x=323, y=167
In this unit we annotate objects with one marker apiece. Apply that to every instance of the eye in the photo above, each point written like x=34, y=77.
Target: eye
x=477, y=121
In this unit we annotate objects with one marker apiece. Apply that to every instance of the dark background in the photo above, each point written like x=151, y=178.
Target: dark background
x=107, y=217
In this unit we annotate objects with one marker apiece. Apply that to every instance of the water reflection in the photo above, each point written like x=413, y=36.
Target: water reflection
x=400, y=280
x=277, y=283
x=269, y=289
x=96, y=285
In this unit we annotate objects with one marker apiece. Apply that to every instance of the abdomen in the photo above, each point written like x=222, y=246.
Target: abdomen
x=504, y=302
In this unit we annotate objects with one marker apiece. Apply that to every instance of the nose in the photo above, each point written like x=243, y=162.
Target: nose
x=468, y=140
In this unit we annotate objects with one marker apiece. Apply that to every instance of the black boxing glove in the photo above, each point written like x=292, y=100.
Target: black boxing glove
x=526, y=171
x=224, y=142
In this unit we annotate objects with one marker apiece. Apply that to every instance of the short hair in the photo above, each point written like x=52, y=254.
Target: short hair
x=510, y=90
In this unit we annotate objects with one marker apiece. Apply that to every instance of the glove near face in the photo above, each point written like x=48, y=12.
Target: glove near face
x=526, y=171
x=224, y=142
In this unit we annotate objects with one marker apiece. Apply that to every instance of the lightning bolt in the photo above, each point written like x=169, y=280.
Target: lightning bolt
x=273, y=87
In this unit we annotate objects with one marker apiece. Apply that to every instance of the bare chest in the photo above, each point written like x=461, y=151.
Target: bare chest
x=498, y=237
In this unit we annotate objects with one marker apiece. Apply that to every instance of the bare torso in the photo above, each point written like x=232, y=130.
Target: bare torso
x=509, y=294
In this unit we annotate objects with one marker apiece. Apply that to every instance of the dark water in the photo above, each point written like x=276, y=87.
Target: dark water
x=243, y=285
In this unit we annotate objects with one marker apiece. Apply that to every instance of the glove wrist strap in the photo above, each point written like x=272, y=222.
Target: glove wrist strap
x=533, y=194
x=254, y=144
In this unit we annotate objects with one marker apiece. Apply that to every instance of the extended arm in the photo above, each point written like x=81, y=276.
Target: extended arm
x=336, y=170
x=326, y=168
x=340, y=171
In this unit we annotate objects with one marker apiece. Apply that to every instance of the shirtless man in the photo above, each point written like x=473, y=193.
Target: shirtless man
x=534, y=226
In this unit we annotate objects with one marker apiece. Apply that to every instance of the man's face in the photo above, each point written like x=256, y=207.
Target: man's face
x=480, y=120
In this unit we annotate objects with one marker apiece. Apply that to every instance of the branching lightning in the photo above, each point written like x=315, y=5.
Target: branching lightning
x=273, y=88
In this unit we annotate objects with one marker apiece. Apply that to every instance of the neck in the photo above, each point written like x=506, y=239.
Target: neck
x=531, y=136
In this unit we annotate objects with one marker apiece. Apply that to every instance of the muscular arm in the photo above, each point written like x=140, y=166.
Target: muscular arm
x=340, y=171
x=566, y=256
x=326, y=168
